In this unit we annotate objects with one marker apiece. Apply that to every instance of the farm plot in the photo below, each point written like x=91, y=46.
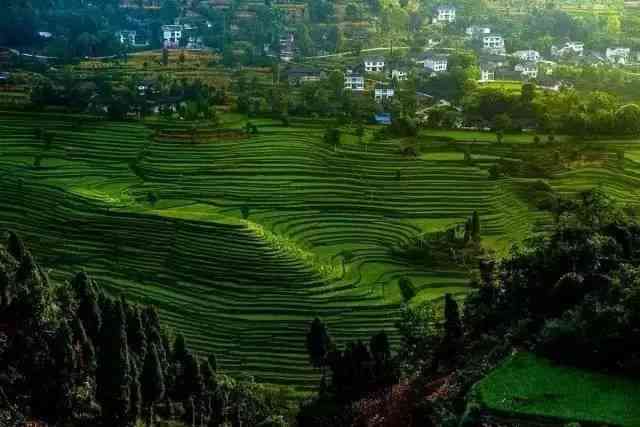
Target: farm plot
x=241, y=241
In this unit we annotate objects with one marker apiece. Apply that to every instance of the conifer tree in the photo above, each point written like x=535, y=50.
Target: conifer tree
x=64, y=359
x=136, y=334
x=318, y=343
x=179, y=349
x=190, y=413
x=380, y=348
x=88, y=354
x=207, y=375
x=135, y=410
x=88, y=309
x=452, y=332
x=475, y=226
x=452, y=324
x=113, y=379
x=152, y=381
x=213, y=362
x=193, y=382
x=15, y=247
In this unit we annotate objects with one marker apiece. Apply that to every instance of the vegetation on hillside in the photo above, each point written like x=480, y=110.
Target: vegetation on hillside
x=73, y=355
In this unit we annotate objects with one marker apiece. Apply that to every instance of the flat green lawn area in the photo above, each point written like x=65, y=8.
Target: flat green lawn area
x=508, y=85
x=527, y=385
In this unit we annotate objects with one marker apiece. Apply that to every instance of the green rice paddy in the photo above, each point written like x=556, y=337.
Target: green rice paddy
x=529, y=386
x=240, y=242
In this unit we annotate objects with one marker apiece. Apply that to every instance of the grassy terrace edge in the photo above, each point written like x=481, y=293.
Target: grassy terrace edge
x=533, y=389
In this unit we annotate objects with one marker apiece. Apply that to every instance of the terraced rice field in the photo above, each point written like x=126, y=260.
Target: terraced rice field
x=241, y=241
x=537, y=391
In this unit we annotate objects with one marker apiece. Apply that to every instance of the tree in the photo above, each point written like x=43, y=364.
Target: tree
x=64, y=358
x=502, y=122
x=179, y=349
x=88, y=353
x=89, y=311
x=528, y=93
x=152, y=382
x=475, y=226
x=135, y=410
x=379, y=346
x=113, y=376
x=627, y=119
x=318, y=343
x=417, y=336
x=213, y=362
x=165, y=56
x=208, y=375
x=347, y=256
x=332, y=137
x=136, y=336
x=15, y=247
x=452, y=324
x=303, y=40
x=360, y=132
x=169, y=11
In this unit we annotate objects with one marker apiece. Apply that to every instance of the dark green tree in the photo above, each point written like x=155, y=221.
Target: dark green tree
x=88, y=353
x=165, y=56
x=179, y=349
x=135, y=411
x=318, y=342
x=152, y=383
x=113, y=375
x=136, y=335
x=193, y=382
x=213, y=362
x=64, y=357
x=475, y=226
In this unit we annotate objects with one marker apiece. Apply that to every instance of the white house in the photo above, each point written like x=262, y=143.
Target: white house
x=171, y=36
x=477, y=31
x=287, y=46
x=353, y=81
x=527, y=55
x=437, y=63
x=374, y=64
x=527, y=69
x=444, y=14
x=399, y=74
x=383, y=92
x=493, y=43
x=126, y=37
x=487, y=73
x=568, y=49
x=618, y=55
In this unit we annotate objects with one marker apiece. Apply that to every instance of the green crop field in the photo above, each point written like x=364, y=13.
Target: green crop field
x=525, y=385
x=241, y=240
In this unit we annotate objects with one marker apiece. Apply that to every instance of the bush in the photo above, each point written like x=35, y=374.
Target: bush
x=407, y=289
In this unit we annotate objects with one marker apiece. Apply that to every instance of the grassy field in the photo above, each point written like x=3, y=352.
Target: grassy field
x=525, y=385
x=241, y=241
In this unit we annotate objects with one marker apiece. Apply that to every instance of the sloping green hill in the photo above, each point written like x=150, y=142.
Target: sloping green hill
x=157, y=212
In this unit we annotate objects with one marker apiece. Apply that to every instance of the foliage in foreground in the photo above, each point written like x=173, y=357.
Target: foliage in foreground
x=72, y=355
x=572, y=296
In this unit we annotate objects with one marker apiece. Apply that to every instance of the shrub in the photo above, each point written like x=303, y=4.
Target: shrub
x=407, y=288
